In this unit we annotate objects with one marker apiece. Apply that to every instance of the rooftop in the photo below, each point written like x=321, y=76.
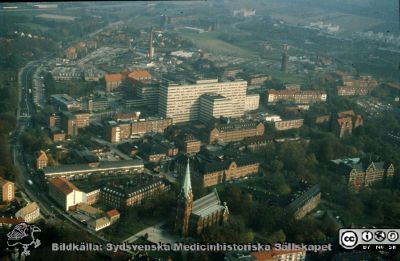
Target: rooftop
x=31, y=207
x=346, y=113
x=112, y=213
x=213, y=96
x=100, y=222
x=139, y=74
x=132, y=187
x=207, y=205
x=103, y=166
x=293, y=92
x=236, y=125
x=306, y=196
x=63, y=185
x=89, y=209
x=357, y=164
x=113, y=77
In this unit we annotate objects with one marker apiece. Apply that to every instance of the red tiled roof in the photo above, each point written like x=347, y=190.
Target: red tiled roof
x=273, y=254
x=112, y=213
x=139, y=74
x=63, y=185
x=71, y=50
x=124, y=116
x=11, y=221
x=113, y=77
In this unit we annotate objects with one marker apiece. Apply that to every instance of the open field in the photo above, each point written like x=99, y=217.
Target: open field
x=286, y=77
x=33, y=26
x=211, y=43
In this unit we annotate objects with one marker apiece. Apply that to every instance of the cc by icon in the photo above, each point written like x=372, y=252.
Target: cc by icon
x=348, y=239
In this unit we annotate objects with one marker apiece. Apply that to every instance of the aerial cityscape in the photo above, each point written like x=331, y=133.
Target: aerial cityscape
x=257, y=130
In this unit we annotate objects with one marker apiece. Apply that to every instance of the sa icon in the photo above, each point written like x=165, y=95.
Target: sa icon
x=349, y=239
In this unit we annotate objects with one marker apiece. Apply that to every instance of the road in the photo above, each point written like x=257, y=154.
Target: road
x=25, y=110
x=155, y=234
x=34, y=192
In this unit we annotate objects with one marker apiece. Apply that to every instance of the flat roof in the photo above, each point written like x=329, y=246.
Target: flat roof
x=103, y=166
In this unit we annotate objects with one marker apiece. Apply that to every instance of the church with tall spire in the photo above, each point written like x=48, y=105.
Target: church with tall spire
x=192, y=217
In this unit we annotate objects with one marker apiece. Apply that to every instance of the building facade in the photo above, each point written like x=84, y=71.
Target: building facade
x=30, y=213
x=113, y=81
x=351, y=91
x=214, y=105
x=70, y=53
x=361, y=174
x=188, y=144
x=214, y=173
x=181, y=102
x=7, y=190
x=211, y=170
x=352, y=86
x=252, y=102
x=65, y=193
x=58, y=136
x=130, y=195
x=64, y=102
x=302, y=97
x=41, y=160
x=288, y=124
x=148, y=92
x=234, y=131
x=66, y=73
x=113, y=215
x=258, y=79
x=99, y=223
x=305, y=203
x=123, y=130
x=92, y=196
x=346, y=121
x=71, y=122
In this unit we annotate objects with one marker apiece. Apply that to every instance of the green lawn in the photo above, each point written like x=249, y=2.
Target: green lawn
x=211, y=43
x=127, y=228
x=33, y=26
x=285, y=77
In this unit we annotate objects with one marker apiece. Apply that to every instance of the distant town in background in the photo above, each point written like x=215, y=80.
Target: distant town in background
x=215, y=121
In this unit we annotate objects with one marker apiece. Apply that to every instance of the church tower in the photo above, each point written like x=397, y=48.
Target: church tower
x=185, y=204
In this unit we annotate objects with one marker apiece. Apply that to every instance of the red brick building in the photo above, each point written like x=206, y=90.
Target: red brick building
x=41, y=160
x=113, y=81
x=234, y=131
x=187, y=143
x=194, y=216
x=346, y=121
